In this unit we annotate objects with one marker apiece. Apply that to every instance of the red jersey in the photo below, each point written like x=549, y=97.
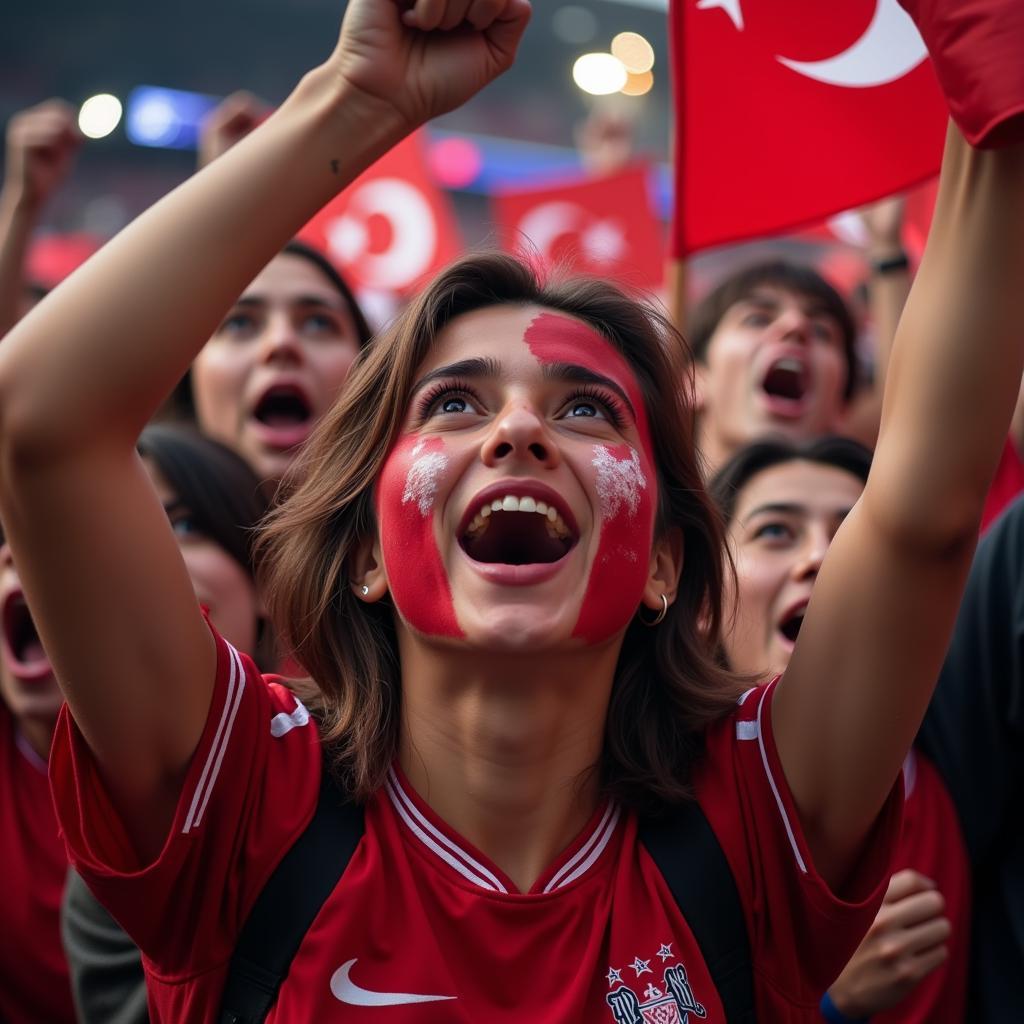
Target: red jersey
x=34, y=983
x=931, y=843
x=424, y=924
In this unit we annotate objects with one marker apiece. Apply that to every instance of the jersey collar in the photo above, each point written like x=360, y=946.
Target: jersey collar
x=460, y=856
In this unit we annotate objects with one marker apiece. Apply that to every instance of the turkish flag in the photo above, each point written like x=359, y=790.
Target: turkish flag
x=392, y=229
x=604, y=226
x=791, y=110
x=977, y=48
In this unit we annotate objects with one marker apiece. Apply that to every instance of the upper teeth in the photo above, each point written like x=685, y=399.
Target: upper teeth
x=792, y=365
x=512, y=503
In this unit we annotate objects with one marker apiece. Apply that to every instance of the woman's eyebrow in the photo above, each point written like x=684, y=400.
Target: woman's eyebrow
x=786, y=508
x=475, y=369
x=576, y=374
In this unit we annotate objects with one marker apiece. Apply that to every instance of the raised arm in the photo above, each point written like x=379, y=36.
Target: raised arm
x=41, y=146
x=886, y=598
x=80, y=376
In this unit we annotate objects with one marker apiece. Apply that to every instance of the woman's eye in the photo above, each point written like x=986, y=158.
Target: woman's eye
x=320, y=323
x=451, y=403
x=587, y=409
x=756, y=320
x=773, y=532
x=185, y=526
x=238, y=323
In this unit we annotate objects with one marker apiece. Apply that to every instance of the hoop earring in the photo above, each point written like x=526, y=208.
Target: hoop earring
x=660, y=617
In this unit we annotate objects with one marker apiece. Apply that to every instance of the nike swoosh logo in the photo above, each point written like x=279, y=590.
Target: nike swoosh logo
x=345, y=990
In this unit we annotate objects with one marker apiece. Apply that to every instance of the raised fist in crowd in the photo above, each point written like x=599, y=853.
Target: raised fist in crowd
x=42, y=142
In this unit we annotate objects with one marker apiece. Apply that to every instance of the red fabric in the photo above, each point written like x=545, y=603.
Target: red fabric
x=393, y=228
x=604, y=226
x=931, y=843
x=421, y=912
x=1007, y=484
x=34, y=985
x=761, y=147
x=976, y=48
x=51, y=258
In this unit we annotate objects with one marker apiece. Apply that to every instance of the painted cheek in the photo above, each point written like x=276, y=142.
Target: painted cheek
x=625, y=487
x=405, y=510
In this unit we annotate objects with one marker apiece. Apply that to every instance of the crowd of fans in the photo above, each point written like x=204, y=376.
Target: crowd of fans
x=251, y=545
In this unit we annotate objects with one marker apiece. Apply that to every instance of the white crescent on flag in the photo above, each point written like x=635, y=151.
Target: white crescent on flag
x=890, y=48
x=413, y=234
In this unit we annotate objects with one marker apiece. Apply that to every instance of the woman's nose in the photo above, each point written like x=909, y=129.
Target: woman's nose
x=280, y=342
x=520, y=433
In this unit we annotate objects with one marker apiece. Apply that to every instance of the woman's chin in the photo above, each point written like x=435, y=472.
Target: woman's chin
x=517, y=629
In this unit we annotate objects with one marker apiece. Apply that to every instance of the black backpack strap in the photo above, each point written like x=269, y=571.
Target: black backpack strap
x=690, y=859
x=290, y=900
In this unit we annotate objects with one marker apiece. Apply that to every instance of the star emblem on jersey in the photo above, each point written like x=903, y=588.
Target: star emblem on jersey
x=345, y=990
x=672, y=1002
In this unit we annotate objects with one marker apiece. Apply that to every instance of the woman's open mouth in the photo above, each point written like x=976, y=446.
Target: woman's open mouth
x=506, y=526
x=283, y=415
x=792, y=620
x=22, y=648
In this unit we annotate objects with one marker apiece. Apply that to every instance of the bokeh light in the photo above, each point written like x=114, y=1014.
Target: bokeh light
x=455, y=162
x=636, y=54
x=638, y=85
x=99, y=115
x=600, y=74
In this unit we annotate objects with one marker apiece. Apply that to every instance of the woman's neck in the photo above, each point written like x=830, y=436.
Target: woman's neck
x=502, y=747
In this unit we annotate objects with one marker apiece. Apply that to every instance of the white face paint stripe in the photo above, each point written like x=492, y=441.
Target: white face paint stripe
x=603, y=838
x=775, y=789
x=428, y=841
x=581, y=852
x=619, y=481
x=236, y=685
x=421, y=483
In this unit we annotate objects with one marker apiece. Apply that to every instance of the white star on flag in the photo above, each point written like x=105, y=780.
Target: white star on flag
x=731, y=7
x=665, y=953
x=640, y=966
x=614, y=977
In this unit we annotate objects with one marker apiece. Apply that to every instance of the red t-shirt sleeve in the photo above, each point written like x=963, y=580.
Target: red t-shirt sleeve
x=801, y=933
x=250, y=790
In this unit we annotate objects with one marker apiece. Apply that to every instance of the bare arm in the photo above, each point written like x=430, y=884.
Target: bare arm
x=41, y=145
x=82, y=373
x=884, y=604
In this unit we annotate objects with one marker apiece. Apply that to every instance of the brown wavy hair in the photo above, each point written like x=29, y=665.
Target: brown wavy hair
x=668, y=685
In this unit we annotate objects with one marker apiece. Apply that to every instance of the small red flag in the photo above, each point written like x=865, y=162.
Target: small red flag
x=791, y=110
x=393, y=228
x=604, y=226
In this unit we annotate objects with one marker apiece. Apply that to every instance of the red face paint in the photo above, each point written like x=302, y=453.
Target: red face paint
x=626, y=481
x=405, y=510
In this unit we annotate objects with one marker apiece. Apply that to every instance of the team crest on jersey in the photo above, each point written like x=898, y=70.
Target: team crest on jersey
x=672, y=1002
